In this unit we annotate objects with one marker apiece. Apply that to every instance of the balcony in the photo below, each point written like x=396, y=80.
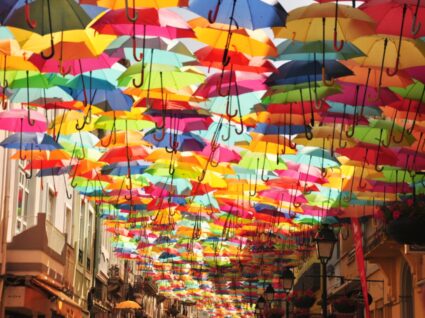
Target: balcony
x=41, y=249
x=378, y=245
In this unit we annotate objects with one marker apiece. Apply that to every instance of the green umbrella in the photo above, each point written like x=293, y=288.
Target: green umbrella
x=40, y=96
x=159, y=76
x=282, y=97
x=49, y=16
x=308, y=51
x=313, y=156
x=247, y=101
x=414, y=91
x=106, y=123
x=381, y=132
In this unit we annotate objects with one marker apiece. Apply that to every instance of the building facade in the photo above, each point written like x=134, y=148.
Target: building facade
x=394, y=272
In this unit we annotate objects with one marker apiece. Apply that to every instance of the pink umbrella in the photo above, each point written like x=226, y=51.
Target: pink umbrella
x=389, y=187
x=234, y=83
x=355, y=95
x=184, y=124
x=222, y=154
x=73, y=66
x=279, y=195
x=150, y=22
x=17, y=120
x=417, y=73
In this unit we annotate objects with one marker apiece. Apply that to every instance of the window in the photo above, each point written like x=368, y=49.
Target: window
x=68, y=225
x=89, y=239
x=82, y=230
x=22, y=206
x=51, y=206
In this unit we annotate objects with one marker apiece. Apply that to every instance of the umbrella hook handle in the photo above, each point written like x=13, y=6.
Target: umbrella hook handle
x=342, y=127
x=130, y=188
x=263, y=177
x=410, y=130
x=62, y=71
x=340, y=46
x=212, y=16
x=75, y=174
x=52, y=44
x=161, y=138
x=416, y=27
x=163, y=105
x=397, y=141
x=134, y=45
x=220, y=84
x=112, y=136
x=361, y=185
x=291, y=145
x=142, y=78
x=127, y=12
x=30, y=121
x=4, y=87
x=31, y=23
x=77, y=125
x=68, y=194
x=377, y=167
x=239, y=110
x=229, y=126
x=327, y=83
x=387, y=144
x=29, y=175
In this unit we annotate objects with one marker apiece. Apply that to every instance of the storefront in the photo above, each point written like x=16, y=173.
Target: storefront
x=38, y=299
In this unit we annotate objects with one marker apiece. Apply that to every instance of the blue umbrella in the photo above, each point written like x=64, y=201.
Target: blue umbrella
x=106, y=99
x=251, y=14
x=185, y=141
x=267, y=129
x=296, y=72
x=121, y=168
x=29, y=141
x=309, y=51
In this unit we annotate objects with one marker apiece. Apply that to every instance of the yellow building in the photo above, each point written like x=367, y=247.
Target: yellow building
x=395, y=274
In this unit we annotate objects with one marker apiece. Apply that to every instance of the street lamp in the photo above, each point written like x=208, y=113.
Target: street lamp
x=269, y=293
x=259, y=306
x=287, y=279
x=325, y=243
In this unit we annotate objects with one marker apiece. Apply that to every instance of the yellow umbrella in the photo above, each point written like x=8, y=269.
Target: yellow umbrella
x=412, y=51
x=15, y=63
x=94, y=42
x=253, y=43
x=70, y=122
x=121, y=4
x=128, y=304
x=306, y=23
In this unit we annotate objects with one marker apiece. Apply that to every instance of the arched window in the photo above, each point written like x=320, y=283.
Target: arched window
x=406, y=292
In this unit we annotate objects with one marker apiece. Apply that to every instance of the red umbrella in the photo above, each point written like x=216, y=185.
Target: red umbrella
x=121, y=154
x=397, y=17
x=212, y=57
x=236, y=83
x=370, y=154
x=148, y=21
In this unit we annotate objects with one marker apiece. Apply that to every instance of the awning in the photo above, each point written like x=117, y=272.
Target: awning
x=66, y=306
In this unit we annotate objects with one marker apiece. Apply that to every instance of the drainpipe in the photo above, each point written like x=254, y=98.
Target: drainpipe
x=3, y=237
x=95, y=253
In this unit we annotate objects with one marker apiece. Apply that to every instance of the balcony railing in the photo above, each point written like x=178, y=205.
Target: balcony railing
x=374, y=240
